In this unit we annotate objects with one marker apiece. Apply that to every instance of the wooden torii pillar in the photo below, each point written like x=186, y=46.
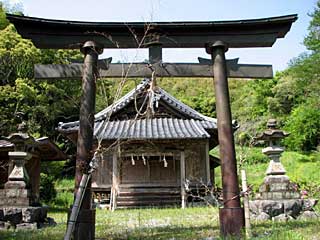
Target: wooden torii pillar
x=85, y=227
x=231, y=215
x=215, y=36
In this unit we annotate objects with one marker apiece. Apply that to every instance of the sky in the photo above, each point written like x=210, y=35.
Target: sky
x=185, y=10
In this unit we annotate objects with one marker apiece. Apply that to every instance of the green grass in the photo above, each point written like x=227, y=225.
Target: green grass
x=65, y=188
x=190, y=223
x=171, y=223
x=301, y=168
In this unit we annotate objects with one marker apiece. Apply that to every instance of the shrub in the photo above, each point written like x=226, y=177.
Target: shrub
x=47, y=190
x=254, y=155
x=304, y=126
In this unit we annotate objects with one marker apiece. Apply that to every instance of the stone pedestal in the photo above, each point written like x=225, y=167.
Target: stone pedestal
x=24, y=217
x=16, y=192
x=277, y=187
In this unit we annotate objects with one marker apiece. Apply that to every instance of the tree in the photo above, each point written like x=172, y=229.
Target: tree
x=3, y=20
x=304, y=126
x=312, y=41
x=45, y=103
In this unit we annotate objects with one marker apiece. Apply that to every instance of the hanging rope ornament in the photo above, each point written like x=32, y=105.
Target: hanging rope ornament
x=165, y=163
x=153, y=96
x=132, y=161
x=144, y=160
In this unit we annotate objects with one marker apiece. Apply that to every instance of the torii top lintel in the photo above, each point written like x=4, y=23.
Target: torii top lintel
x=61, y=34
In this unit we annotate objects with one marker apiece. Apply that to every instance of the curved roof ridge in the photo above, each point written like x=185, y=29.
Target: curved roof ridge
x=188, y=110
x=127, y=98
x=121, y=102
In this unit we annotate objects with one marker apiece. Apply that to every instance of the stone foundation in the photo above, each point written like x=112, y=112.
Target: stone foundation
x=284, y=209
x=24, y=217
x=15, y=197
x=278, y=199
x=16, y=210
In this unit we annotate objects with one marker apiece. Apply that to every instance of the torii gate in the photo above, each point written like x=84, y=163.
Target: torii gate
x=215, y=36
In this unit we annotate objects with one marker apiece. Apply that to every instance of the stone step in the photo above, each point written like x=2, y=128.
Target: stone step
x=131, y=197
x=148, y=203
x=147, y=198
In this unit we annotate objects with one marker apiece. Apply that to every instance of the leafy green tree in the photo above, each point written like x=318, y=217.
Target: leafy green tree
x=17, y=56
x=312, y=41
x=3, y=20
x=45, y=103
x=304, y=126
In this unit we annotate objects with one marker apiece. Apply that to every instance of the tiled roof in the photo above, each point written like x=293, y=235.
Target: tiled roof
x=169, y=99
x=154, y=128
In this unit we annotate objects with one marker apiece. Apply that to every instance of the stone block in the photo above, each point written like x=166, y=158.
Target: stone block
x=264, y=187
x=13, y=215
x=21, y=202
x=5, y=225
x=277, y=195
x=266, y=195
x=282, y=218
x=291, y=195
x=26, y=226
x=278, y=187
x=262, y=217
x=292, y=207
x=272, y=208
x=306, y=215
x=15, y=185
x=2, y=193
x=31, y=214
x=43, y=213
x=18, y=193
x=276, y=179
x=253, y=206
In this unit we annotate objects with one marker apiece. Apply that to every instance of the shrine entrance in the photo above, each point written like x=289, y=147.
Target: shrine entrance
x=153, y=170
x=215, y=37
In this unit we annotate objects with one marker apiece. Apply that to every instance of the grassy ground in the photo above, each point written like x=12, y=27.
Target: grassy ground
x=172, y=223
x=190, y=223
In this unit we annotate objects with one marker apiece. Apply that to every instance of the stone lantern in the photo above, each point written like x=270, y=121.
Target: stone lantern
x=17, y=188
x=278, y=198
x=19, y=203
x=272, y=136
x=276, y=184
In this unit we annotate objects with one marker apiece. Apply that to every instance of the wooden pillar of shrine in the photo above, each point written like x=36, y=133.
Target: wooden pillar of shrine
x=208, y=174
x=115, y=181
x=183, y=179
x=231, y=215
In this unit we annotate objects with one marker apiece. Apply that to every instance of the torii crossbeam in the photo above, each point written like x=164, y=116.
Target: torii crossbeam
x=107, y=69
x=215, y=36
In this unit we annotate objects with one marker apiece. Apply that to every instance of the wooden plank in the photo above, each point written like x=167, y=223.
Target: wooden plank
x=115, y=181
x=183, y=179
x=74, y=71
x=207, y=163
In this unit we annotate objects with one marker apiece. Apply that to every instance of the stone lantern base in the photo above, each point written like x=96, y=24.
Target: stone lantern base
x=279, y=199
x=24, y=217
